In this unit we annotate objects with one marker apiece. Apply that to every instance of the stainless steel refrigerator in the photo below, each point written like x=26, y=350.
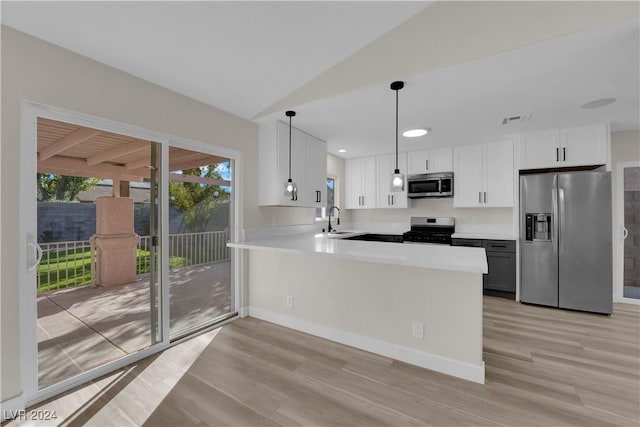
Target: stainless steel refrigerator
x=565, y=240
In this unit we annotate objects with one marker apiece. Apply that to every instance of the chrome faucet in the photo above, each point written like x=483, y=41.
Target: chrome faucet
x=330, y=228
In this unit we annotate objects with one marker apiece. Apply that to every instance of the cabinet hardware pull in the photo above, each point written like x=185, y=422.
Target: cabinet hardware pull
x=485, y=197
x=388, y=199
x=564, y=154
x=427, y=164
x=393, y=200
x=479, y=196
x=362, y=200
x=557, y=154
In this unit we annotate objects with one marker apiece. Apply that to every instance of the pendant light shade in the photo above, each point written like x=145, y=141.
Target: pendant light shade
x=290, y=188
x=397, y=178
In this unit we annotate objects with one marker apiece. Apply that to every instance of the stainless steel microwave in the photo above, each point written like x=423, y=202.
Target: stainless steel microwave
x=430, y=185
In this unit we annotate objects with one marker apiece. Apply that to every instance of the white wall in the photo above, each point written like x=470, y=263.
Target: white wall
x=41, y=72
x=436, y=207
x=625, y=147
x=372, y=306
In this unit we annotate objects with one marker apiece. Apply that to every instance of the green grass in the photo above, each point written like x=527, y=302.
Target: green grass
x=70, y=268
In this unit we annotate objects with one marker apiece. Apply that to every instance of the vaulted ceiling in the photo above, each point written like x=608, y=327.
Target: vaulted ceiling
x=466, y=64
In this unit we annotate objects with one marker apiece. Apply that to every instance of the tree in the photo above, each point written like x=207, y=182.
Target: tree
x=195, y=201
x=52, y=186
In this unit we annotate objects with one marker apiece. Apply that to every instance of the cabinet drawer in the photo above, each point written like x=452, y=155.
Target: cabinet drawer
x=500, y=245
x=475, y=243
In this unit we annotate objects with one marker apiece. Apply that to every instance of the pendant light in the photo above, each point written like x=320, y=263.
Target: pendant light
x=397, y=179
x=290, y=188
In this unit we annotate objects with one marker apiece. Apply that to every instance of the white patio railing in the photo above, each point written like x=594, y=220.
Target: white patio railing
x=69, y=264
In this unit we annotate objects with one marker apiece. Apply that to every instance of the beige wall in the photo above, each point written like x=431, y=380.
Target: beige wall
x=41, y=72
x=625, y=147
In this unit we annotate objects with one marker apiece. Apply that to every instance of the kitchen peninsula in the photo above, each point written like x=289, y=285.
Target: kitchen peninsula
x=421, y=304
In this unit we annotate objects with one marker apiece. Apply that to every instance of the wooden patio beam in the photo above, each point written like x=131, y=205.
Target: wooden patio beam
x=137, y=164
x=132, y=147
x=68, y=141
x=78, y=167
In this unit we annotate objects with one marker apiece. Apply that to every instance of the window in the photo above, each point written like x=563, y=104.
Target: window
x=321, y=213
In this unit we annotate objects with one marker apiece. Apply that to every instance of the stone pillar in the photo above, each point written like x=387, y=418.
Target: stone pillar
x=115, y=241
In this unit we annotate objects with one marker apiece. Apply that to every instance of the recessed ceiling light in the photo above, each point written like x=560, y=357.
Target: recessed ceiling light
x=597, y=103
x=414, y=133
x=342, y=150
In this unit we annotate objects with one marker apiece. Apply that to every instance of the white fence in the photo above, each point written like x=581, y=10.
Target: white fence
x=69, y=264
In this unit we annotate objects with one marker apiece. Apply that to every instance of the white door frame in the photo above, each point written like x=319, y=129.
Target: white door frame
x=27, y=226
x=618, y=234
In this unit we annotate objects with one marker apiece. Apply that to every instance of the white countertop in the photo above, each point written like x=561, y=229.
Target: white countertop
x=440, y=257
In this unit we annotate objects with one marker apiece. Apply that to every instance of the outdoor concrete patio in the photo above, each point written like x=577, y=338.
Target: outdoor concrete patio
x=84, y=327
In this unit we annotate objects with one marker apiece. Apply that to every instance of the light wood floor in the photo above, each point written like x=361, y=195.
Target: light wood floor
x=544, y=367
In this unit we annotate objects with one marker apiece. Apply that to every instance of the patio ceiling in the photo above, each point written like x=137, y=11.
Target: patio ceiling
x=72, y=150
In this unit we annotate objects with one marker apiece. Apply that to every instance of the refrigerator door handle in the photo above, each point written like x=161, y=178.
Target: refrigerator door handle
x=560, y=211
x=554, y=218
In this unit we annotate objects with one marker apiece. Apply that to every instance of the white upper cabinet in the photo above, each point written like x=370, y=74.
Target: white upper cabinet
x=360, y=184
x=484, y=175
x=316, y=173
x=578, y=146
x=386, y=165
x=430, y=161
x=586, y=145
x=308, y=167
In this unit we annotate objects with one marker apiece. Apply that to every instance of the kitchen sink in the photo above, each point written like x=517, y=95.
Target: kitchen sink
x=334, y=233
x=371, y=237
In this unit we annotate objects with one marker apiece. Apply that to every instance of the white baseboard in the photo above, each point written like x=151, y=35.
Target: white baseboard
x=430, y=361
x=243, y=311
x=10, y=408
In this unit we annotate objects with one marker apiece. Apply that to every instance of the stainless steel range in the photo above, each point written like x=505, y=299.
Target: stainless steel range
x=430, y=230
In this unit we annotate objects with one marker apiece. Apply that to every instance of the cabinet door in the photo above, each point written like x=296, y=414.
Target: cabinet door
x=467, y=178
x=541, y=150
x=441, y=160
x=418, y=162
x=501, y=275
x=583, y=146
x=354, y=174
x=369, y=190
x=316, y=183
x=385, y=197
x=298, y=164
x=498, y=174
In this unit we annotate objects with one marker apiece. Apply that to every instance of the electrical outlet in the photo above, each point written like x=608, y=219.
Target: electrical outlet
x=417, y=330
x=289, y=301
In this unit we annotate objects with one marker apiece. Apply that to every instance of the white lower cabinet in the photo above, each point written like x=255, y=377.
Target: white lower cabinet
x=386, y=165
x=360, y=185
x=484, y=175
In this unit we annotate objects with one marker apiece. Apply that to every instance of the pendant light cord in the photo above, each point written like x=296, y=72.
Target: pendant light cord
x=396, y=129
x=289, y=148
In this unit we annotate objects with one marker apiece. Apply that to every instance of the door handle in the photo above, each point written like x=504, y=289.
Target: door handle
x=625, y=232
x=38, y=250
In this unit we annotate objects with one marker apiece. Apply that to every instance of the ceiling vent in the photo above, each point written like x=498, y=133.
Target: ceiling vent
x=518, y=118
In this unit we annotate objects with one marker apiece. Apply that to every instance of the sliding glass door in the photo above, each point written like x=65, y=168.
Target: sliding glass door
x=98, y=236
x=124, y=245
x=200, y=194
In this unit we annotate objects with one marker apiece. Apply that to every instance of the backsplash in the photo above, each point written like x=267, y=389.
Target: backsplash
x=436, y=207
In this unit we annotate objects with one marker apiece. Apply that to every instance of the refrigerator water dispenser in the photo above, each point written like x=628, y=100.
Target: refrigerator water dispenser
x=538, y=227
